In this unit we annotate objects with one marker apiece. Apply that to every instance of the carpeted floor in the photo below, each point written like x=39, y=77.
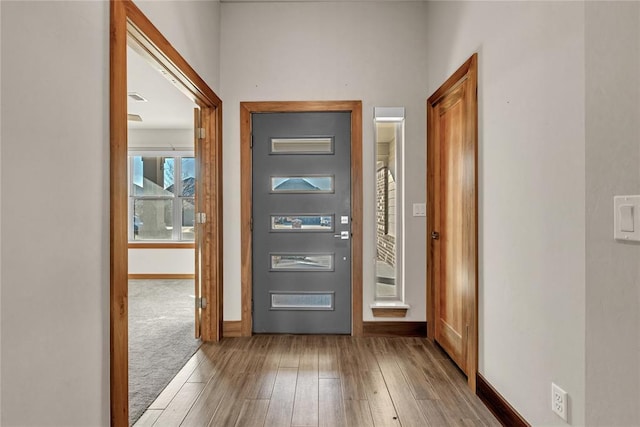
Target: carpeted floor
x=161, y=337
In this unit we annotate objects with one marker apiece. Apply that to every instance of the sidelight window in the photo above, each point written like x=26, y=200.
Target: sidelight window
x=389, y=141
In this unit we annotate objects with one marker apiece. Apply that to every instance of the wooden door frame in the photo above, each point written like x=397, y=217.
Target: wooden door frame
x=468, y=71
x=248, y=108
x=129, y=23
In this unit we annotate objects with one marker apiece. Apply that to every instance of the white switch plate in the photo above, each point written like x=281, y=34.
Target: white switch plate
x=419, y=209
x=626, y=218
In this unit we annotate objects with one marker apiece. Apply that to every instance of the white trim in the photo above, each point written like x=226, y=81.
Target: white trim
x=388, y=114
x=389, y=304
x=394, y=115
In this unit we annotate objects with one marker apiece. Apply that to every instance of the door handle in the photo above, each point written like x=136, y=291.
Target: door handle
x=435, y=235
x=344, y=235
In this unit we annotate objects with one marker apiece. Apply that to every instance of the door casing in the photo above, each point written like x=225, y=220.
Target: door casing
x=248, y=108
x=127, y=22
x=467, y=72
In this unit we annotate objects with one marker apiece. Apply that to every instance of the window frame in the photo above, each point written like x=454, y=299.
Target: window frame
x=395, y=115
x=177, y=197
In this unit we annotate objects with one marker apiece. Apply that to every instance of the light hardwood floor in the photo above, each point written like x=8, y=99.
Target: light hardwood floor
x=310, y=380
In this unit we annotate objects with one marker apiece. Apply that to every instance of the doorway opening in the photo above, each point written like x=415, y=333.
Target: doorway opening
x=161, y=187
x=135, y=213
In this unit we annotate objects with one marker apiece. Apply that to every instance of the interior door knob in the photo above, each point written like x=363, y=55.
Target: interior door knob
x=435, y=235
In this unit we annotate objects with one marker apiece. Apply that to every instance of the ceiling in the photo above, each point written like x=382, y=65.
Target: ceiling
x=166, y=106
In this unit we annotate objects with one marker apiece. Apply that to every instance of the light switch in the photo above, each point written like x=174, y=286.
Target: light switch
x=419, y=209
x=626, y=218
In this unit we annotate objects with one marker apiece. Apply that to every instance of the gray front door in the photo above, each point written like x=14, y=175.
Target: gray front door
x=302, y=222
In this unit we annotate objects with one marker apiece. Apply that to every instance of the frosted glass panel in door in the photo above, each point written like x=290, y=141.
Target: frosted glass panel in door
x=302, y=184
x=302, y=223
x=301, y=146
x=302, y=262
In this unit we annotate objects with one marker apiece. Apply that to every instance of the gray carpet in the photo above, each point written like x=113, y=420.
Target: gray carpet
x=161, y=337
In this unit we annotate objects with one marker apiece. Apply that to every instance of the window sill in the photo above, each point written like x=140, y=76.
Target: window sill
x=163, y=245
x=389, y=309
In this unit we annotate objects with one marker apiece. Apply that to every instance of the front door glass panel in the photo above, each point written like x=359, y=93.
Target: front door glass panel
x=318, y=145
x=301, y=301
x=302, y=184
x=302, y=262
x=302, y=223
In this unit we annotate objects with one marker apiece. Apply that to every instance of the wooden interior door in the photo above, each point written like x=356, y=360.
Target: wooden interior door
x=208, y=304
x=452, y=217
x=198, y=225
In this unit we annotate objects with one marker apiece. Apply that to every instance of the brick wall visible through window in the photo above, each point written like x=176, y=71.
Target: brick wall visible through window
x=385, y=216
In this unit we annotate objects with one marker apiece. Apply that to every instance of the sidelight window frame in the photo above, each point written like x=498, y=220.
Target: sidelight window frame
x=393, y=213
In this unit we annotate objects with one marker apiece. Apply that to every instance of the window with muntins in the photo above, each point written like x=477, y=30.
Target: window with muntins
x=161, y=196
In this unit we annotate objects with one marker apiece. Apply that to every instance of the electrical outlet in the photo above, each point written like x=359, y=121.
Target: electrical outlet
x=559, y=401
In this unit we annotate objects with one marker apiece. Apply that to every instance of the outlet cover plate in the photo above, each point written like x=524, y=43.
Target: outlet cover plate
x=559, y=401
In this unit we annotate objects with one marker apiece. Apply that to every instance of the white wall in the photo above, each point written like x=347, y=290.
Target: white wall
x=161, y=261
x=193, y=28
x=366, y=51
x=55, y=144
x=0, y=222
x=55, y=252
x=613, y=167
x=532, y=191
x=160, y=138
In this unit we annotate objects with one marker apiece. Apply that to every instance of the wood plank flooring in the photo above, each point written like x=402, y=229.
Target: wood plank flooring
x=311, y=380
